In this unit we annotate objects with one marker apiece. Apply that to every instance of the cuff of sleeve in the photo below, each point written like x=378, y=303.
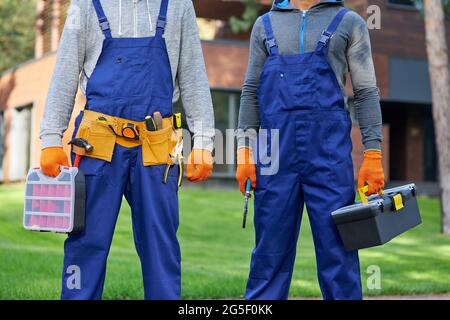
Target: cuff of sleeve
x=372, y=145
x=246, y=141
x=51, y=140
x=205, y=143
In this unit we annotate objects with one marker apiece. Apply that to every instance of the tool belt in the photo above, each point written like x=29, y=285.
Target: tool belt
x=103, y=131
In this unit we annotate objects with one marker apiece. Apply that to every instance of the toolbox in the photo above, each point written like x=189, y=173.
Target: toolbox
x=378, y=218
x=55, y=204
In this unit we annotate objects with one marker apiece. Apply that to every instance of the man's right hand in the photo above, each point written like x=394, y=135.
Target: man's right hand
x=246, y=168
x=51, y=159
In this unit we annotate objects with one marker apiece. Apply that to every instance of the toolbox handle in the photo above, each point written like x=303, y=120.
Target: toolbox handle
x=395, y=200
x=44, y=178
x=362, y=194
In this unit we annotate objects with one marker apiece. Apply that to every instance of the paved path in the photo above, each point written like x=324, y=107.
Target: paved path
x=445, y=296
x=414, y=297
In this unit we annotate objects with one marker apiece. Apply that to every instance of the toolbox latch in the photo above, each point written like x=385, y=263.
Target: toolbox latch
x=398, y=201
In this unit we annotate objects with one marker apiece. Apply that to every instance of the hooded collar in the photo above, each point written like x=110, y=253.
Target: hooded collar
x=285, y=5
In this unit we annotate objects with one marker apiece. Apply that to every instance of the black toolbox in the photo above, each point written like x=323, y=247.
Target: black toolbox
x=380, y=219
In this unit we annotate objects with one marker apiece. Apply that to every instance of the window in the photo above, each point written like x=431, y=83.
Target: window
x=226, y=108
x=19, y=133
x=225, y=113
x=409, y=3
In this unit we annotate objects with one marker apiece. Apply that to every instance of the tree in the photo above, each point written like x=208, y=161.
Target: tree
x=440, y=90
x=446, y=4
x=17, y=21
x=249, y=16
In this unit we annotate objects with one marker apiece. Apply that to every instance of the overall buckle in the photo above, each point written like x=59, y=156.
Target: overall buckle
x=271, y=43
x=325, y=37
x=161, y=23
x=104, y=24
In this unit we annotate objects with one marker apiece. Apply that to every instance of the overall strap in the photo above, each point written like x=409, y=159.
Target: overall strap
x=270, y=39
x=162, y=18
x=328, y=33
x=102, y=20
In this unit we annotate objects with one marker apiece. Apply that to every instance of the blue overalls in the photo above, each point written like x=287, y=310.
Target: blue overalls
x=132, y=79
x=299, y=95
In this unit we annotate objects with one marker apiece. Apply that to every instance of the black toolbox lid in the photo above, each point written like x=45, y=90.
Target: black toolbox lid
x=375, y=205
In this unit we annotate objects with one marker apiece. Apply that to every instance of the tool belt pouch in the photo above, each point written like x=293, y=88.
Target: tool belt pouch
x=157, y=146
x=100, y=136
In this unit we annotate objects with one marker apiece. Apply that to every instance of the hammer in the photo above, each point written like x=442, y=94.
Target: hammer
x=80, y=147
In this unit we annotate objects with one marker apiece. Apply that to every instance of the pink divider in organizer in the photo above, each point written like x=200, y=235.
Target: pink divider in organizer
x=59, y=222
x=33, y=221
x=67, y=191
x=36, y=190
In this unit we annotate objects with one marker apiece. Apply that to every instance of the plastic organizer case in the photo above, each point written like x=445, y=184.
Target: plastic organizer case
x=55, y=204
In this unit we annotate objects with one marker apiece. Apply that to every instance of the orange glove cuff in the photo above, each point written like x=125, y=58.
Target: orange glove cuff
x=373, y=154
x=246, y=168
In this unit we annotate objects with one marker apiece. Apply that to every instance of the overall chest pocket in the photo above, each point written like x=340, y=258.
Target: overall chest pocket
x=297, y=90
x=133, y=74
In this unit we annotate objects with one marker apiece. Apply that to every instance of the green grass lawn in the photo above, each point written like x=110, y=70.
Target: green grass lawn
x=215, y=251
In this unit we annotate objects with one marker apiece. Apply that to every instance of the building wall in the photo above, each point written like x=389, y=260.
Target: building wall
x=28, y=85
x=226, y=62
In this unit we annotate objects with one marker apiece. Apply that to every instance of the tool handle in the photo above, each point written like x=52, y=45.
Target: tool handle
x=76, y=163
x=248, y=187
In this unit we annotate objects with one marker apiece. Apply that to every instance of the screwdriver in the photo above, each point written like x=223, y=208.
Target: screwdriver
x=157, y=117
x=150, y=124
x=246, y=197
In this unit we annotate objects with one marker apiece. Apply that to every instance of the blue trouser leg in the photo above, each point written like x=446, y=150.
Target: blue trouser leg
x=155, y=222
x=85, y=253
x=278, y=211
x=338, y=270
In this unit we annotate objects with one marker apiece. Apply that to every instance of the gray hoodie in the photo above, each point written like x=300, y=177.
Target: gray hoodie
x=80, y=47
x=349, y=50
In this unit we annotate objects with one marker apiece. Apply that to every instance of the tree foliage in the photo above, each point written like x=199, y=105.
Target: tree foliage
x=17, y=32
x=249, y=16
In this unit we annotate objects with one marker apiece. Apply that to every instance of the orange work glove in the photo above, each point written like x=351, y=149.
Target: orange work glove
x=199, y=165
x=51, y=159
x=246, y=168
x=371, y=172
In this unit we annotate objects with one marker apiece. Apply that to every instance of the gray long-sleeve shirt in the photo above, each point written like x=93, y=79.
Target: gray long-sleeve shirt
x=349, y=49
x=81, y=44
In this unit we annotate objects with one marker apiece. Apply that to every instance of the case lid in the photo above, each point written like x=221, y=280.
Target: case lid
x=375, y=205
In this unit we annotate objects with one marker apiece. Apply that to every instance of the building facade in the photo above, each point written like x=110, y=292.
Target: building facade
x=400, y=61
